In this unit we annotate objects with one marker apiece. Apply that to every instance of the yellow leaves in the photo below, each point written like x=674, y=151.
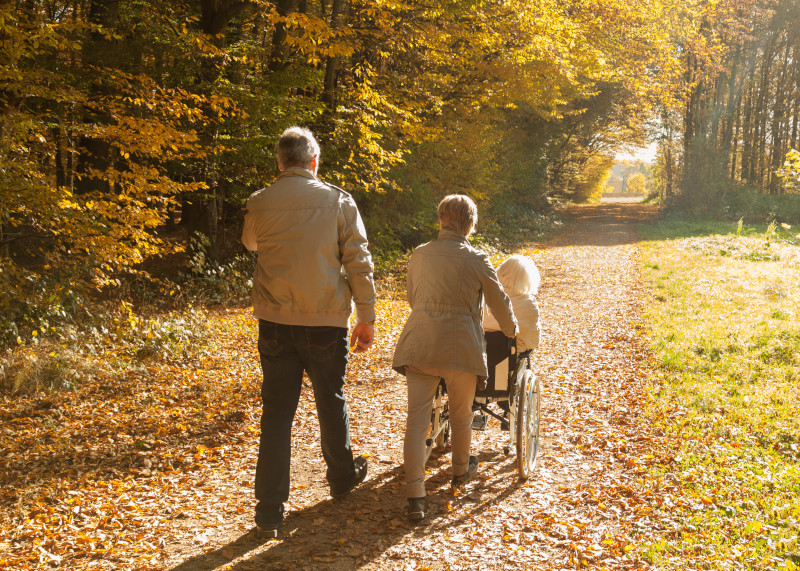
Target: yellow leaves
x=68, y=204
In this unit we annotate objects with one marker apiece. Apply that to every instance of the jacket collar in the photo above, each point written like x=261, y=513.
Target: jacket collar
x=297, y=171
x=450, y=235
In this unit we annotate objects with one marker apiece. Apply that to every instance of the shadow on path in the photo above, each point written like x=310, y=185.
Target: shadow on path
x=351, y=533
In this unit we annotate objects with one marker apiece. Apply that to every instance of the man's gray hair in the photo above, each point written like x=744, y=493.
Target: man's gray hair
x=296, y=147
x=458, y=213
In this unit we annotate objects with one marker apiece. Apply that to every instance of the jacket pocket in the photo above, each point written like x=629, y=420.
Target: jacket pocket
x=326, y=343
x=268, y=344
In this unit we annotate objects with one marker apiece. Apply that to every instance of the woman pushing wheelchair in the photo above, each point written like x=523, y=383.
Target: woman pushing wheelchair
x=443, y=338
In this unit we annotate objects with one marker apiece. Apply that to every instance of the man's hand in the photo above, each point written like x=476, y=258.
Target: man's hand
x=362, y=337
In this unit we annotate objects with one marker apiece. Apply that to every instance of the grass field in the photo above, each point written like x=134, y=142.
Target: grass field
x=721, y=312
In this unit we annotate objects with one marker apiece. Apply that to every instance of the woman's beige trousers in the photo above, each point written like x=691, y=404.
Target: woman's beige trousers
x=422, y=383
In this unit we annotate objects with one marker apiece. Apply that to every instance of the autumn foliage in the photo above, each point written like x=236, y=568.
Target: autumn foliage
x=727, y=144
x=129, y=127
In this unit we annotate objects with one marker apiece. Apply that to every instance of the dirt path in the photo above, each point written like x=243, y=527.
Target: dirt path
x=580, y=508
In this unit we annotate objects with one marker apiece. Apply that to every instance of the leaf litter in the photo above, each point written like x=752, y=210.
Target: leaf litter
x=153, y=469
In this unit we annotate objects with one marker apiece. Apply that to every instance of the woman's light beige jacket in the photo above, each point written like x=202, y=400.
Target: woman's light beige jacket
x=447, y=282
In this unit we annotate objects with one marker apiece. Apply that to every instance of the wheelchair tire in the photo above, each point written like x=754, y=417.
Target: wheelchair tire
x=527, y=424
x=444, y=436
x=439, y=433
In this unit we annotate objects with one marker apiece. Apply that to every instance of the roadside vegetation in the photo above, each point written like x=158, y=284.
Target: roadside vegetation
x=165, y=319
x=721, y=312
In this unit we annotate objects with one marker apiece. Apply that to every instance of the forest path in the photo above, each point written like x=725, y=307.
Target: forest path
x=148, y=464
x=578, y=509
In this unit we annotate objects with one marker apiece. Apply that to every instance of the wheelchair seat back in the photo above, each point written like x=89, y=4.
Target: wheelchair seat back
x=502, y=361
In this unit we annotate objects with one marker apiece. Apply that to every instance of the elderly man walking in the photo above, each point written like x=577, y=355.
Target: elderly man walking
x=313, y=266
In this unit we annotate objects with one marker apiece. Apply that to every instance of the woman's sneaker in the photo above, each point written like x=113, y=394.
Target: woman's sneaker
x=417, y=508
x=267, y=531
x=472, y=468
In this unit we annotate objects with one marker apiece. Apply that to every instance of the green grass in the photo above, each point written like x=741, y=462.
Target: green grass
x=721, y=312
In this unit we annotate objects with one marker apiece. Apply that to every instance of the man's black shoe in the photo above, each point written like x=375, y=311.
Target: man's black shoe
x=472, y=468
x=417, y=508
x=358, y=477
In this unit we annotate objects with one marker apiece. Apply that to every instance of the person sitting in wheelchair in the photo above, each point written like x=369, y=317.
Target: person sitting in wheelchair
x=520, y=279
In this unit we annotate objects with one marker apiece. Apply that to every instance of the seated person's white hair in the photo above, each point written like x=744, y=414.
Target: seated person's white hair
x=519, y=275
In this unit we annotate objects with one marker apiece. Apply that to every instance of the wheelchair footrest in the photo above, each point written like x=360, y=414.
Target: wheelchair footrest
x=479, y=421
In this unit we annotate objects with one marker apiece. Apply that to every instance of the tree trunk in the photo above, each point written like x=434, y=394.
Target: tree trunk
x=200, y=212
x=668, y=166
x=331, y=65
x=735, y=141
x=747, y=136
x=796, y=98
x=277, y=59
x=94, y=154
x=61, y=175
x=762, y=114
x=778, y=150
x=730, y=111
x=690, y=124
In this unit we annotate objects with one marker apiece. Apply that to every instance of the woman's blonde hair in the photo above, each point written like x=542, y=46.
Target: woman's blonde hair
x=458, y=213
x=519, y=275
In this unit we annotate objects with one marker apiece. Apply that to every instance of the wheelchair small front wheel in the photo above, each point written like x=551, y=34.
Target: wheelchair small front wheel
x=527, y=423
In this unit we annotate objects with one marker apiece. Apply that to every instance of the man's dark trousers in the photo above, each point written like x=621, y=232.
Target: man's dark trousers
x=286, y=351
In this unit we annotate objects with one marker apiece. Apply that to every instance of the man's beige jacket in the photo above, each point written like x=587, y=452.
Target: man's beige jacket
x=313, y=262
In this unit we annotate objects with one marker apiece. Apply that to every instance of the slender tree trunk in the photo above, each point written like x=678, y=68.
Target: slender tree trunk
x=201, y=213
x=735, y=143
x=796, y=99
x=100, y=52
x=747, y=135
x=730, y=112
x=669, y=191
x=61, y=179
x=689, y=123
x=332, y=63
x=278, y=57
x=762, y=115
x=5, y=252
x=781, y=100
x=717, y=111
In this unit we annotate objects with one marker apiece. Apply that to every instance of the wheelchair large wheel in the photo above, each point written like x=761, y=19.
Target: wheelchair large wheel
x=527, y=424
x=439, y=433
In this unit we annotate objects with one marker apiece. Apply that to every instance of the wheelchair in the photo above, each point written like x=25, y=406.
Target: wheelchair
x=514, y=389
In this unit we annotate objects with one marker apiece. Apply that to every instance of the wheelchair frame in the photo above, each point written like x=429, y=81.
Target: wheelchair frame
x=521, y=391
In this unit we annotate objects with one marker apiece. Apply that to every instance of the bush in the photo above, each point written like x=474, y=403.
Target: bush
x=753, y=207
